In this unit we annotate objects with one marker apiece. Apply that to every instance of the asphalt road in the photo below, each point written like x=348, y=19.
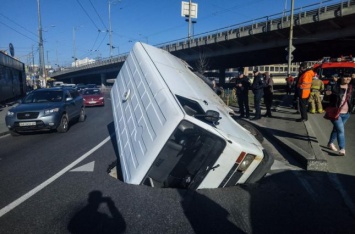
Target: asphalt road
x=58, y=183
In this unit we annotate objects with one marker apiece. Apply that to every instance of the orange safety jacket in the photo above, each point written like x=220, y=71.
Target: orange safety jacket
x=305, y=83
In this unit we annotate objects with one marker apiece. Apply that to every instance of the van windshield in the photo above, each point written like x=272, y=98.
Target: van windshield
x=188, y=155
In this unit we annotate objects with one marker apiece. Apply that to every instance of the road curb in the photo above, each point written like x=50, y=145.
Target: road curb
x=315, y=162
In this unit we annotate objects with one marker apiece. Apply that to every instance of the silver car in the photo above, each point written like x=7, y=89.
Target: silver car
x=46, y=109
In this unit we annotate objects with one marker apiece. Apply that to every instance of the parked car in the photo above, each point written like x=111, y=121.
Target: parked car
x=46, y=109
x=80, y=87
x=93, y=97
x=91, y=86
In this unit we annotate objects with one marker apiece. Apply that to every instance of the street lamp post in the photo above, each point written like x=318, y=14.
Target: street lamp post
x=40, y=45
x=290, y=46
x=74, y=44
x=110, y=25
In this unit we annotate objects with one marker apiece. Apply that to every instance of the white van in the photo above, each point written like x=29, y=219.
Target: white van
x=172, y=130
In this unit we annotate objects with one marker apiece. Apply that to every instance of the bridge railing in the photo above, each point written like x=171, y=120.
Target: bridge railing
x=260, y=25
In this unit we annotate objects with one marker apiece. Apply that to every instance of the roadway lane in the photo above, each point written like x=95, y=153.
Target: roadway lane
x=28, y=160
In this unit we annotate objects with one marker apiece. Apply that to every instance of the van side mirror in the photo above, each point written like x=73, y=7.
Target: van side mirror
x=212, y=116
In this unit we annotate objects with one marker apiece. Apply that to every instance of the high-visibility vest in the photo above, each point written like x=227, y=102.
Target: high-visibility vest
x=305, y=83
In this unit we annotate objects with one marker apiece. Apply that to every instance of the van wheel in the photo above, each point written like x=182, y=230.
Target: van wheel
x=64, y=124
x=82, y=115
x=253, y=130
x=14, y=133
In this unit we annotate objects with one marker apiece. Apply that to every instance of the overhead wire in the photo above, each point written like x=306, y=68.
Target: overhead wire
x=18, y=32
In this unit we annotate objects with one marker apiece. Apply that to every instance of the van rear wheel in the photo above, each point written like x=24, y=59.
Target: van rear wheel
x=64, y=124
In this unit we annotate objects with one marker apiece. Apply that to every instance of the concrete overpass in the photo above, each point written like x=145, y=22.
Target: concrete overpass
x=319, y=30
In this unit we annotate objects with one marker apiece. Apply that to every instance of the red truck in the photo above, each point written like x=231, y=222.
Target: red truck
x=327, y=67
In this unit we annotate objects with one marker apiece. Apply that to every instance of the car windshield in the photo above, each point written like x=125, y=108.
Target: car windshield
x=91, y=91
x=44, y=96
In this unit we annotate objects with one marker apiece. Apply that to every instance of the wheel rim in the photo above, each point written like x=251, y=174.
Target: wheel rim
x=65, y=123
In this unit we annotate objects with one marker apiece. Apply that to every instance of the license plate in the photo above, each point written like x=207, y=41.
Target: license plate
x=27, y=123
x=92, y=102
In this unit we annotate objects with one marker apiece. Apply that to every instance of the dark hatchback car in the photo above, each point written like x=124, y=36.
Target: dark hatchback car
x=46, y=109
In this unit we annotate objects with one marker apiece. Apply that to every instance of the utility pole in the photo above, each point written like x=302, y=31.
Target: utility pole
x=110, y=26
x=290, y=46
x=189, y=30
x=40, y=45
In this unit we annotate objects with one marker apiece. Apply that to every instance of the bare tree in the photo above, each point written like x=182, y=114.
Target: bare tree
x=202, y=63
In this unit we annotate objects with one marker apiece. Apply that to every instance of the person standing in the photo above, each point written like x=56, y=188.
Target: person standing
x=242, y=85
x=304, y=89
x=341, y=96
x=268, y=93
x=315, y=100
x=258, y=91
x=332, y=82
x=289, y=84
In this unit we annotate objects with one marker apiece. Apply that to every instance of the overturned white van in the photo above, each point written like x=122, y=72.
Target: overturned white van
x=172, y=130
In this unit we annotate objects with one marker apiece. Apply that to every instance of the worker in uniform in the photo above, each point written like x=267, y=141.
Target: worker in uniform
x=315, y=100
x=242, y=85
x=304, y=84
x=258, y=90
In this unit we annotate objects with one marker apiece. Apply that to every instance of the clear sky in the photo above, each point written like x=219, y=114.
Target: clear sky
x=73, y=26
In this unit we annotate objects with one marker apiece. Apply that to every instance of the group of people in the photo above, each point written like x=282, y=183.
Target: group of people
x=341, y=95
x=308, y=89
x=262, y=87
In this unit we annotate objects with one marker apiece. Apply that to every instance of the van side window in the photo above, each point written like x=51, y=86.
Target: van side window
x=191, y=107
x=186, y=158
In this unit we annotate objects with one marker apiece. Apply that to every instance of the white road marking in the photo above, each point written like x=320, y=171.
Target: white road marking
x=86, y=167
x=20, y=200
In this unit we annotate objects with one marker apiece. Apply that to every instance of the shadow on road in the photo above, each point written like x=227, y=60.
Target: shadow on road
x=90, y=220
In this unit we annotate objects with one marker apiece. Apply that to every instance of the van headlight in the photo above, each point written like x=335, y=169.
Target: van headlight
x=51, y=111
x=10, y=113
x=247, y=160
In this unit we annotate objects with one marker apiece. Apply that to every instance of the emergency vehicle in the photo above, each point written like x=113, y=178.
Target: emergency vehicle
x=327, y=67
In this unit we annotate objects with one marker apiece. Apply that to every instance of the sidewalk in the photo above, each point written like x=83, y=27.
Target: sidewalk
x=297, y=138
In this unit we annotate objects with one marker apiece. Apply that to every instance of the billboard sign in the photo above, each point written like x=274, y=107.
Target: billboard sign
x=185, y=7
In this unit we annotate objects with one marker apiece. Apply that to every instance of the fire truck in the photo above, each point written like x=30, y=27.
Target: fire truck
x=327, y=67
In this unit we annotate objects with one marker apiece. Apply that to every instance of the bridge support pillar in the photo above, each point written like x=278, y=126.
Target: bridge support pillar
x=222, y=77
x=103, y=79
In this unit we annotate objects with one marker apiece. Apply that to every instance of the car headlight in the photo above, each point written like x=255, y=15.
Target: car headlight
x=248, y=159
x=10, y=113
x=51, y=111
x=101, y=98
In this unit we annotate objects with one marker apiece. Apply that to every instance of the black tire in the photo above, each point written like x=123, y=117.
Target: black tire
x=14, y=133
x=64, y=124
x=248, y=126
x=82, y=115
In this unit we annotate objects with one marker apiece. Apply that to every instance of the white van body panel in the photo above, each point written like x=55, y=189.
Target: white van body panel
x=149, y=115
x=146, y=112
